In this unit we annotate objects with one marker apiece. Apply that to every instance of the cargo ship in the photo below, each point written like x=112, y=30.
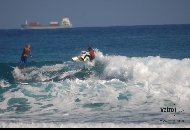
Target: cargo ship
x=65, y=23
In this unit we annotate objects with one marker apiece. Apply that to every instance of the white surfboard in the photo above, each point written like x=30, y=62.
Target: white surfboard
x=11, y=66
x=22, y=70
x=80, y=59
x=76, y=58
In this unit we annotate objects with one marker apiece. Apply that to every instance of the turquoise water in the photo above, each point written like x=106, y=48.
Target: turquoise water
x=138, y=72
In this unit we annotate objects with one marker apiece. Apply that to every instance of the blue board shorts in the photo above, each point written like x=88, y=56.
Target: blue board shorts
x=23, y=59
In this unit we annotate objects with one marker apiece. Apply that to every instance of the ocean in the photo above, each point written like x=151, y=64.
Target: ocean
x=140, y=78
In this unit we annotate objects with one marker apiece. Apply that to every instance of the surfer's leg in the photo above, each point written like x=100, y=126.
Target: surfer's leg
x=81, y=58
x=21, y=61
x=89, y=57
x=19, y=65
x=25, y=60
x=84, y=57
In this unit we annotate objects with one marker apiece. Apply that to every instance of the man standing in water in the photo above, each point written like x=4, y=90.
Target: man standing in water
x=24, y=55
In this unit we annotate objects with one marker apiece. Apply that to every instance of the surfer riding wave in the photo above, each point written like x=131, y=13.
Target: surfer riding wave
x=90, y=53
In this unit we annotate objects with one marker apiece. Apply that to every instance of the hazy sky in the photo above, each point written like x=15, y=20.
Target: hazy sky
x=94, y=13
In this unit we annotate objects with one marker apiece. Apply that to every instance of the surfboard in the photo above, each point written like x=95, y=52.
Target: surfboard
x=80, y=59
x=13, y=67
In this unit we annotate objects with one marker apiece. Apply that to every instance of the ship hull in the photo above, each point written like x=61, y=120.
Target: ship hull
x=46, y=27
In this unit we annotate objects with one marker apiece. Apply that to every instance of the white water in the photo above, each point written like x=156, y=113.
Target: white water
x=130, y=92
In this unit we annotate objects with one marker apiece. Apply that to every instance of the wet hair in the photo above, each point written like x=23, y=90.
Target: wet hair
x=28, y=45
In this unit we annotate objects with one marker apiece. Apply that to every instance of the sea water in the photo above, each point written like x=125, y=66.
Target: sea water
x=139, y=78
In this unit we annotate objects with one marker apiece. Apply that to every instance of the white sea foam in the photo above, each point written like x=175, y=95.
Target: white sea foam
x=88, y=125
x=4, y=83
x=127, y=90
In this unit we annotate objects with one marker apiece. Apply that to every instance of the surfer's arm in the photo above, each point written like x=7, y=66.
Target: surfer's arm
x=82, y=52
